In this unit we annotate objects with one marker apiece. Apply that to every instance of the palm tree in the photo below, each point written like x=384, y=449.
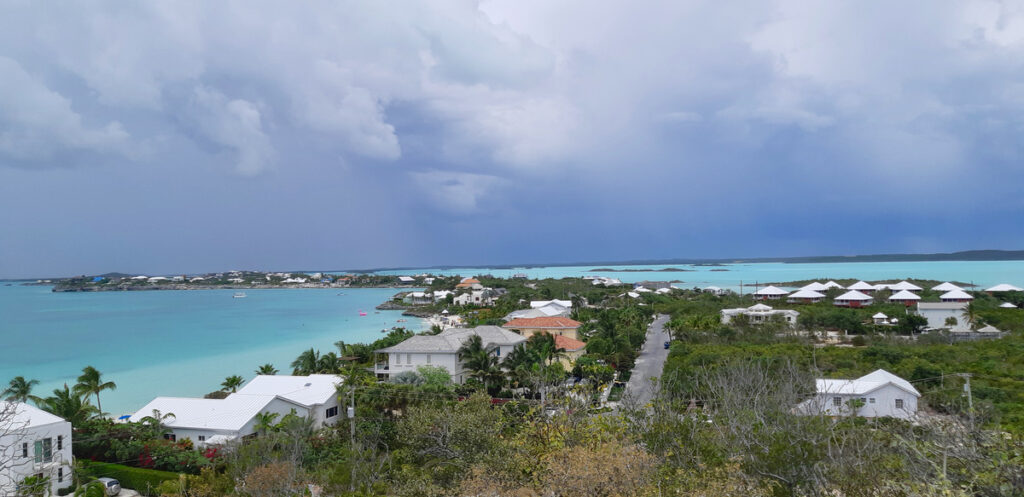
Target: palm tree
x=91, y=382
x=20, y=390
x=231, y=383
x=91, y=489
x=69, y=405
x=480, y=360
x=328, y=363
x=306, y=363
x=156, y=421
x=544, y=346
x=265, y=422
x=971, y=315
x=266, y=369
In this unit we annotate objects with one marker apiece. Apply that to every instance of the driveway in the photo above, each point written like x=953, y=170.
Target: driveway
x=649, y=363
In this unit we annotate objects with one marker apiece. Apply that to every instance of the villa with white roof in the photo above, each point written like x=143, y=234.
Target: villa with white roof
x=805, y=296
x=945, y=287
x=956, y=296
x=878, y=394
x=863, y=287
x=770, y=293
x=217, y=421
x=904, y=286
x=905, y=297
x=443, y=350
x=938, y=313
x=853, y=298
x=1004, y=287
x=33, y=442
x=760, y=313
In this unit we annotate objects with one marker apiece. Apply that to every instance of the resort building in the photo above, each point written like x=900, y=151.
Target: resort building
x=904, y=286
x=879, y=394
x=853, y=298
x=815, y=286
x=805, y=296
x=956, y=296
x=863, y=287
x=905, y=297
x=552, y=325
x=938, y=313
x=770, y=293
x=443, y=350
x=33, y=442
x=831, y=284
x=218, y=421
x=760, y=313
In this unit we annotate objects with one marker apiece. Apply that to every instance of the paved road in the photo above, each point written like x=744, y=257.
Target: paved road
x=649, y=363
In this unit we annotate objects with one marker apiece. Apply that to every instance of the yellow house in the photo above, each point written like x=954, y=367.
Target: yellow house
x=573, y=349
x=555, y=325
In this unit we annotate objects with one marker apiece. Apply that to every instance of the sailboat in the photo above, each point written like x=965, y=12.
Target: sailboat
x=239, y=295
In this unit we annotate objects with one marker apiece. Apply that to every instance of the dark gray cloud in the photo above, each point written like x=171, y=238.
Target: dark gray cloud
x=340, y=134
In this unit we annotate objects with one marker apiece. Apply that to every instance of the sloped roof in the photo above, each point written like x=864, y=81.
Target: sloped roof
x=771, y=290
x=904, y=295
x=989, y=329
x=867, y=383
x=305, y=390
x=943, y=306
x=904, y=285
x=1004, y=287
x=556, y=322
x=945, y=287
x=230, y=413
x=880, y=316
x=861, y=285
x=27, y=416
x=815, y=286
x=956, y=294
x=451, y=340
x=534, y=304
x=806, y=294
x=759, y=308
x=1007, y=305
x=569, y=344
x=854, y=295
x=831, y=284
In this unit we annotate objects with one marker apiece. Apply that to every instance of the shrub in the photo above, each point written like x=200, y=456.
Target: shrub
x=145, y=481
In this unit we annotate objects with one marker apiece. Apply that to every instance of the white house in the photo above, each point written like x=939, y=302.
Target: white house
x=760, y=313
x=33, y=442
x=879, y=394
x=853, y=298
x=482, y=297
x=805, y=296
x=1004, y=287
x=945, y=287
x=443, y=350
x=938, y=312
x=905, y=297
x=418, y=298
x=831, y=284
x=535, y=304
x=904, y=285
x=863, y=287
x=956, y=296
x=212, y=421
x=715, y=290
x=406, y=279
x=550, y=310
x=815, y=286
x=770, y=293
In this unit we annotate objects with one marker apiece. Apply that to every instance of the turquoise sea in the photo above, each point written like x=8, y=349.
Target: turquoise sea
x=185, y=343
x=981, y=273
x=175, y=343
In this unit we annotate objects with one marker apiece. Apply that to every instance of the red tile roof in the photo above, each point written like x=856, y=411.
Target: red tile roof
x=545, y=322
x=569, y=344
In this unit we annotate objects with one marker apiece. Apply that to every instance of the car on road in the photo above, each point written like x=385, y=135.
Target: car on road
x=667, y=344
x=112, y=486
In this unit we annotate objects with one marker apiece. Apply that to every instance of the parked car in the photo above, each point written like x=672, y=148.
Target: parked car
x=113, y=486
x=667, y=344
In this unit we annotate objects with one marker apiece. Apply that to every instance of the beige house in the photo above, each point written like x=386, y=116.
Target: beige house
x=573, y=349
x=554, y=325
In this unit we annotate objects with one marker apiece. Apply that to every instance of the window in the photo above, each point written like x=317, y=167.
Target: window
x=899, y=403
x=871, y=400
x=47, y=449
x=837, y=401
x=170, y=436
x=202, y=438
x=60, y=475
x=332, y=411
x=24, y=449
x=408, y=358
x=60, y=442
x=428, y=358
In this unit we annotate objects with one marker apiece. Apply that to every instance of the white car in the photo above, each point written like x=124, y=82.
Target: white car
x=113, y=486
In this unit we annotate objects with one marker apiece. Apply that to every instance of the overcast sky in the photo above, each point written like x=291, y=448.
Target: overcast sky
x=171, y=137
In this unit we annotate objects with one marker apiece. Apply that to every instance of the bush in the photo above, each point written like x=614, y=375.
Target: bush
x=859, y=341
x=145, y=481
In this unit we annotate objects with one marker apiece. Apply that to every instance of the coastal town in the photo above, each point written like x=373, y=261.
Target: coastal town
x=557, y=353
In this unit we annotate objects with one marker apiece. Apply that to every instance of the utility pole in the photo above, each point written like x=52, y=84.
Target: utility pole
x=970, y=398
x=352, y=434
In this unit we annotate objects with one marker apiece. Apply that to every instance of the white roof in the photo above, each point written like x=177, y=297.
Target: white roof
x=711, y=288
x=864, y=384
x=1007, y=305
x=229, y=414
x=956, y=294
x=1004, y=287
x=989, y=329
x=854, y=295
x=904, y=295
x=904, y=285
x=771, y=290
x=406, y=278
x=815, y=286
x=880, y=316
x=633, y=294
x=861, y=285
x=806, y=294
x=759, y=308
x=534, y=304
x=945, y=287
x=305, y=390
x=831, y=284
x=27, y=416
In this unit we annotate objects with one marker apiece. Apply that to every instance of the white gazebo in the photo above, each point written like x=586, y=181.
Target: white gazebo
x=880, y=318
x=956, y=296
x=905, y=297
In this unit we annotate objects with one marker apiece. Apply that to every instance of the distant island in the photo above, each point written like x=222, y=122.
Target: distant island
x=230, y=280
x=640, y=270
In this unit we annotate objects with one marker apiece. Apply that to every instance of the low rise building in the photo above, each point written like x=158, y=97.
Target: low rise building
x=770, y=293
x=944, y=315
x=760, y=313
x=853, y=298
x=33, y=442
x=805, y=296
x=442, y=350
x=553, y=325
x=878, y=394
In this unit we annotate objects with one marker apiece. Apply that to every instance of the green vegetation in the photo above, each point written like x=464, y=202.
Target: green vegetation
x=146, y=481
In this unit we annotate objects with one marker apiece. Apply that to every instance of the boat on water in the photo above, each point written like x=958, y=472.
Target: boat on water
x=239, y=295
x=362, y=313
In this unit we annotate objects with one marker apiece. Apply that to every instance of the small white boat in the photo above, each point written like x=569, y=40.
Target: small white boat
x=239, y=295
